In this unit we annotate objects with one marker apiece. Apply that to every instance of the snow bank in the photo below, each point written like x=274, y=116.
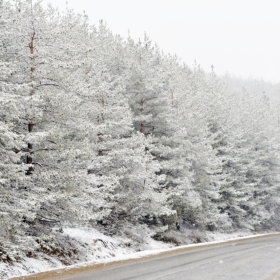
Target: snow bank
x=98, y=248
x=93, y=247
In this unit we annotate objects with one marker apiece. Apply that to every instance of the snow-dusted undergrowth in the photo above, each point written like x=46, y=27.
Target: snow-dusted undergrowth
x=95, y=247
x=91, y=246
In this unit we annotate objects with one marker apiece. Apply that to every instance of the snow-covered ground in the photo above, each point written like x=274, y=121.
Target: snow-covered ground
x=96, y=247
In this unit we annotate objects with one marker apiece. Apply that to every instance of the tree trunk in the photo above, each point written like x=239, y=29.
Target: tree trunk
x=30, y=147
x=142, y=126
x=31, y=125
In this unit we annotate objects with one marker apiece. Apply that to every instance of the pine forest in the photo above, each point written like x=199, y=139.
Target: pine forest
x=108, y=133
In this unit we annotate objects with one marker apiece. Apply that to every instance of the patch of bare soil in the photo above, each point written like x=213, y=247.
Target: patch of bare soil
x=274, y=276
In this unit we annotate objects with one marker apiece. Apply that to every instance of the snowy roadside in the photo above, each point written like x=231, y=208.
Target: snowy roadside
x=97, y=248
x=92, y=247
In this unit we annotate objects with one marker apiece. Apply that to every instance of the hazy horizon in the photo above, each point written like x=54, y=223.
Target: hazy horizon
x=237, y=37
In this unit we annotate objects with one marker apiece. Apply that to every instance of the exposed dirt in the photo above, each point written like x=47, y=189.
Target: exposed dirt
x=274, y=276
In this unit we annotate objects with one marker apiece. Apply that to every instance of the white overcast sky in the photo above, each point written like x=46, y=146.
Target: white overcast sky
x=241, y=37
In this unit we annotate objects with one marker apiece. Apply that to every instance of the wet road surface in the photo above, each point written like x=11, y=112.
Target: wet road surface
x=253, y=259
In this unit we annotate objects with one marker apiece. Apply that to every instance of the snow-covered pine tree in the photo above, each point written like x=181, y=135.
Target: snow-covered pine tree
x=260, y=161
x=39, y=105
x=123, y=187
x=200, y=108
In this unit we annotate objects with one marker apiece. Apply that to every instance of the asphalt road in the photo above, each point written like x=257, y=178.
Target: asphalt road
x=254, y=259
